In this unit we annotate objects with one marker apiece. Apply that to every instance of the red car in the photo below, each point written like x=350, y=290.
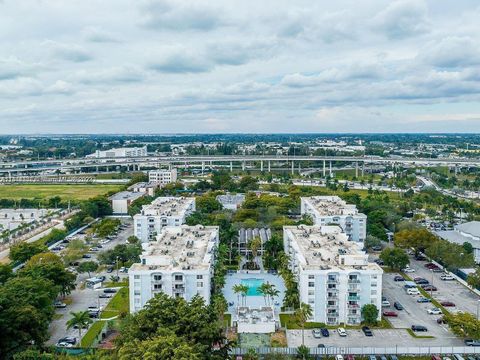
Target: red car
x=390, y=313
x=447, y=303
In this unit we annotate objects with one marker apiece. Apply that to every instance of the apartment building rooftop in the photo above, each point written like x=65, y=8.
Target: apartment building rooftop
x=126, y=195
x=180, y=247
x=325, y=248
x=331, y=205
x=167, y=206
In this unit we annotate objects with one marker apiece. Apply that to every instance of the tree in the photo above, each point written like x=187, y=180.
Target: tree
x=207, y=204
x=464, y=324
x=254, y=245
x=32, y=354
x=474, y=279
x=238, y=289
x=419, y=239
x=132, y=239
x=372, y=241
x=87, y=266
x=80, y=319
x=395, y=258
x=6, y=273
x=23, y=251
x=468, y=247
x=303, y=353
x=49, y=266
x=302, y=314
x=369, y=314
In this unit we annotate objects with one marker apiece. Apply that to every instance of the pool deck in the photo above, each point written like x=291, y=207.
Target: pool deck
x=252, y=301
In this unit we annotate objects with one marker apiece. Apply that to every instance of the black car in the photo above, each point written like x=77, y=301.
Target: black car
x=110, y=291
x=68, y=339
x=109, y=270
x=325, y=332
x=86, y=256
x=422, y=282
x=398, y=278
x=366, y=330
x=94, y=314
x=397, y=305
x=105, y=296
x=419, y=328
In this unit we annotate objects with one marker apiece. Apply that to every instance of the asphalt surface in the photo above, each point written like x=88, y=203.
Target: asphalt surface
x=83, y=298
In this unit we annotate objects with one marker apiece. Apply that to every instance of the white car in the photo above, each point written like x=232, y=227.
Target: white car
x=447, y=277
x=341, y=332
x=64, y=344
x=385, y=303
x=434, y=311
x=413, y=291
x=408, y=270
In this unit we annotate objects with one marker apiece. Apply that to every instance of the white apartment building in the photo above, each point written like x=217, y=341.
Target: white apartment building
x=179, y=263
x=331, y=210
x=334, y=275
x=121, y=201
x=162, y=177
x=119, y=152
x=163, y=211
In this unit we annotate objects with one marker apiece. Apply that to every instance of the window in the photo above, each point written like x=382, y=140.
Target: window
x=199, y=277
x=137, y=293
x=374, y=276
x=157, y=277
x=137, y=301
x=136, y=277
x=374, y=284
x=374, y=292
x=178, y=277
x=311, y=292
x=200, y=284
x=311, y=301
x=311, y=277
x=311, y=284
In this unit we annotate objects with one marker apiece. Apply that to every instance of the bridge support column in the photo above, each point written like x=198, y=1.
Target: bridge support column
x=356, y=169
x=203, y=167
x=268, y=165
x=324, y=168
x=261, y=165
x=231, y=166
x=363, y=168
x=330, y=168
x=293, y=166
x=243, y=165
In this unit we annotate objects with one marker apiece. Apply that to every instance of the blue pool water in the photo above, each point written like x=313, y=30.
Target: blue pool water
x=253, y=285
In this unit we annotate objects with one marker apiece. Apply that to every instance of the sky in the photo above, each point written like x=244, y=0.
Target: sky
x=160, y=66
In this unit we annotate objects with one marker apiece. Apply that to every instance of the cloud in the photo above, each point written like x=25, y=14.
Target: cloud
x=116, y=74
x=403, y=19
x=98, y=35
x=451, y=52
x=179, y=15
x=59, y=87
x=181, y=61
x=68, y=52
x=12, y=68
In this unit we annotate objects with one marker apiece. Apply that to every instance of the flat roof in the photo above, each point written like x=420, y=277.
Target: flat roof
x=126, y=195
x=167, y=206
x=231, y=198
x=472, y=228
x=326, y=247
x=456, y=237
x=331, y=205
x=180, y=247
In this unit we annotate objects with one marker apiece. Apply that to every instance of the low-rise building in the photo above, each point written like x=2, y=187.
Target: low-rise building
x=468, y=232
x=334, y=275
x=147, y=188
x=162, y=177
x=119, y=152
x=231, y=201
x=179, y=263
x=121, y=201
x=163, y=211
x=331, y=210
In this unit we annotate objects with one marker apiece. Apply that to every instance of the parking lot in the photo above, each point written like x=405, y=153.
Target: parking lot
x=464, y=299
x=83, y=298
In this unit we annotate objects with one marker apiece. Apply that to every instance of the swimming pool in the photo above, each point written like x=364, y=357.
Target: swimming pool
x=253, y=285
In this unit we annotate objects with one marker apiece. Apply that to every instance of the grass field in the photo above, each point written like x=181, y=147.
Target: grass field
x=66, y=192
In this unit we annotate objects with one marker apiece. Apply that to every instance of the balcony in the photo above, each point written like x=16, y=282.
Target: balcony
x=332, y=307
x=354, y=281
x=354, y=288
x=353, y=298
x=353, y=306
x=332, y=314
x=333, y=281
x=178, y=289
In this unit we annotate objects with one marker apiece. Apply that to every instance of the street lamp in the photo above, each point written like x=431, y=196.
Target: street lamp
x=117, y=265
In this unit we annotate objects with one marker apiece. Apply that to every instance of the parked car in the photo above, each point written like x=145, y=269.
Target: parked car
x=390, y=314
x=441, y=320
x=423, y=300
x=436, y=357
x=372, y=357
x=105, y=296
x=325, y=332
x=428, y=287
x=68, y=339
x=109, y=291
x=447, y=303
x=420, y=257
x=94, y=314
x=398, y=278
x=342, y=332
x=397, y=305
x=393, y=357
x=419, y=328
x=472, y=342
x=86, y=256
x=422, y=282
x=408, y=270
x=349, y=357
x=59, y=305
x=109, y=269
x=413, y=291
x=458, y=357
x=437, y=270
x=63, y=344
x=447, y=277
x=434, y=311
x=317, y=333
x=338, y=357
x=366, y=330
x=385, y=303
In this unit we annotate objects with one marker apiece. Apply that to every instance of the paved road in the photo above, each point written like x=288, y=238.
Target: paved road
x=82, y=299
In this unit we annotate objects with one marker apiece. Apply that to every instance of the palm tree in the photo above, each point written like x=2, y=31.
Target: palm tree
x=303, y=313
x=237, y=289
x=264, y=290
x=273, y=292
x=80, y=319
x=244, y=292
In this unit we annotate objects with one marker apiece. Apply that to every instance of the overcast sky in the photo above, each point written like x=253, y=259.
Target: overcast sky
x=116, y=66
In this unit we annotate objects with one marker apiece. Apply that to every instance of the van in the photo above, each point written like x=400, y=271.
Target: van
x=412, y=291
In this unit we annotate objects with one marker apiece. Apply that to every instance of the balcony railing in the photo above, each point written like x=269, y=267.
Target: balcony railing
x=353, y=297
x=354, y=281
x=333, y=281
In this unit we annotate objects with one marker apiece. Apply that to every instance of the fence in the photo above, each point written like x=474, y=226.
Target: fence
x=365, y=351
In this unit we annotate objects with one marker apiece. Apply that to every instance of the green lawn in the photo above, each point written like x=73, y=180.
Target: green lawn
x=289, y=321
x=414, y=334
x=66, y=192
x=119, y=304
x=92, y=333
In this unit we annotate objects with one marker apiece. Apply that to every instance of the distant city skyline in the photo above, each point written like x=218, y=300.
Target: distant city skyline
x=179, y=67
